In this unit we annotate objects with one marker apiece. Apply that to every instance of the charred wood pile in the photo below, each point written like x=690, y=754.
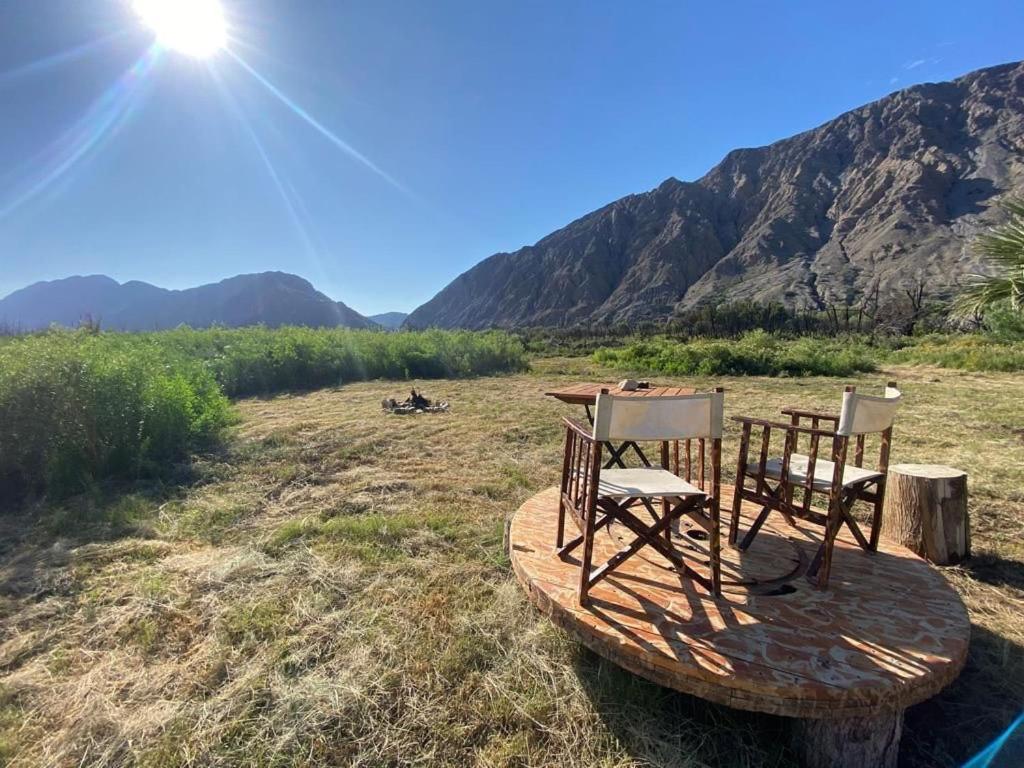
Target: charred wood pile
x=415, y=403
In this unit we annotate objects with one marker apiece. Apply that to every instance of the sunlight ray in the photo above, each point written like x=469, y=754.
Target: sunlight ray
x=103, y=118
x=57, y=59
x=316, y=124
x=285, y=192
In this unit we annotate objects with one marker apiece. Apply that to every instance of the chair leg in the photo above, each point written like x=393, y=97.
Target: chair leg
x=876, y=518
x=716, y=549
x=560, y=534
x=823, y=559
x=737, y=503
x=587, y=556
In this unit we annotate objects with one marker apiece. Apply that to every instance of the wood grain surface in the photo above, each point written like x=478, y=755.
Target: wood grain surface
x=889, y=631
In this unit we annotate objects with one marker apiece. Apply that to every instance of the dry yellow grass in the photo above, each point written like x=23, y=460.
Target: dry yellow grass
x=333, y=590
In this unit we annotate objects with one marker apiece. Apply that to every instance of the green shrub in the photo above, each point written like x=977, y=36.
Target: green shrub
x=1005, y=323
x=78, y=406
x=75, y=407
x=257, y=361
x=974, y=352
x=755, y=354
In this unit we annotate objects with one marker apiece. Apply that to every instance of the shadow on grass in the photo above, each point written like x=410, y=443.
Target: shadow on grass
x=665, y=728
x=997, y=571
x=952, y=727
x=36, y=537
x=662, y=727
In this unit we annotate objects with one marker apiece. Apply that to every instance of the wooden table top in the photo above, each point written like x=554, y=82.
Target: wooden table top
x=586, y=394
x=888, y=633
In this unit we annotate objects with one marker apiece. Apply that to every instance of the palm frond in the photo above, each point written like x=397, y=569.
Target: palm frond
x=980, y=293
x=1003, y=250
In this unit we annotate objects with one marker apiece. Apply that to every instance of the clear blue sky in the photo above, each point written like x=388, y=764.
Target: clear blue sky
x=498, y=123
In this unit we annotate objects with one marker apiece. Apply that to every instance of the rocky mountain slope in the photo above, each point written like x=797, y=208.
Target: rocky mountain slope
x=270, y=298
x=883, y=196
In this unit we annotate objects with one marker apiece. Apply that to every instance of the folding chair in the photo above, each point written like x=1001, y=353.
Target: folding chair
x=595, y=496
x=843, y=484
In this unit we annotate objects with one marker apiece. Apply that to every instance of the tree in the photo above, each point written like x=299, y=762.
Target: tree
x=1003, y=249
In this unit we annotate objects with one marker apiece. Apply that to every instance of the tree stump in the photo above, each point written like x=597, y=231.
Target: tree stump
x=926, y=511
x=855, y=742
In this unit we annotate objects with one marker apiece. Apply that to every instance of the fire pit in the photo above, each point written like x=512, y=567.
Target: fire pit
x=415, y=403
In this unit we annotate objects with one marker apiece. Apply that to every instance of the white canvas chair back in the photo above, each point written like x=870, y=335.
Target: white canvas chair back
x=864, y=414
x=676, y=417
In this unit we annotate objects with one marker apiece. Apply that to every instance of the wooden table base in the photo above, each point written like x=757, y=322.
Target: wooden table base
x=889, y=631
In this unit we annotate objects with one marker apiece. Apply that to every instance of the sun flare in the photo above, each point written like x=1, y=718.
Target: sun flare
x=193, y=27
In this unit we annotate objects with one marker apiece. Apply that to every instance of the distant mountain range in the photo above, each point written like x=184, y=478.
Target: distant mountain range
x=390, y=320
x=269, y=298
x=878, y=200
x=884, y=196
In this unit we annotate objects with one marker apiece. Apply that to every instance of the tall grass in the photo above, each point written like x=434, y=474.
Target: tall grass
x=77, y=406
x=755, y=354
x=254, y=361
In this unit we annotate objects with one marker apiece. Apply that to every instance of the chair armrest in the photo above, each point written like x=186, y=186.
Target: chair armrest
x=583, y=432
x=784, y=426
x=810, y=414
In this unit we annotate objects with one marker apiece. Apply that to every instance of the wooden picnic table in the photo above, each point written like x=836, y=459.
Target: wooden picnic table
x=586, y=395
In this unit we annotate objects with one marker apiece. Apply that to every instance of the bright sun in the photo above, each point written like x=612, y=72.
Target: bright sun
x=193, y=27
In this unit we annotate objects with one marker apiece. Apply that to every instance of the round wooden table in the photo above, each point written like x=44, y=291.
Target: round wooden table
x=889, y=631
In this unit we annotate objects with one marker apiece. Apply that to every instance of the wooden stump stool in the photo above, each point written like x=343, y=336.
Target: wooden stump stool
x=926, y=511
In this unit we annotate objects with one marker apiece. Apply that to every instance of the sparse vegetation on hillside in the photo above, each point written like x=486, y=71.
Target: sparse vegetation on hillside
x=872, y=321
x=78, y=406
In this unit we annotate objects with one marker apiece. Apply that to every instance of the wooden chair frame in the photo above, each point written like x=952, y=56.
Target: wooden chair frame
x=780, y=498
x=579, y=499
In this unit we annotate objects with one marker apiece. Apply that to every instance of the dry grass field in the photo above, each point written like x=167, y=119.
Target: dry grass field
x=332, y=590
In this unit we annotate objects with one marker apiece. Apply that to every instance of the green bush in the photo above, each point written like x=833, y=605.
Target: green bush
x=755, y=354
x=258, y=361
x=973, y=352
x=1004, y=323
x=75, y=407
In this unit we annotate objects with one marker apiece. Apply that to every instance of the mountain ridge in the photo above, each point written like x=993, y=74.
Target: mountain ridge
x=267, y=298
x=390, y=320
x=882, y=196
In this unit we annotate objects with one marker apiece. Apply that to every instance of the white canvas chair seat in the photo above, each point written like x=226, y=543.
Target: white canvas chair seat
x=643, y=483
x=823, y=471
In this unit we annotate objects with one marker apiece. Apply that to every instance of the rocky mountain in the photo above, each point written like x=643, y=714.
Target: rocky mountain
x=390, y=320
x=881, y=197
x=270, y=298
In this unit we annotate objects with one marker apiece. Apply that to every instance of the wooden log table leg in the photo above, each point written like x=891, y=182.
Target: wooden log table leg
x=856, y=742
